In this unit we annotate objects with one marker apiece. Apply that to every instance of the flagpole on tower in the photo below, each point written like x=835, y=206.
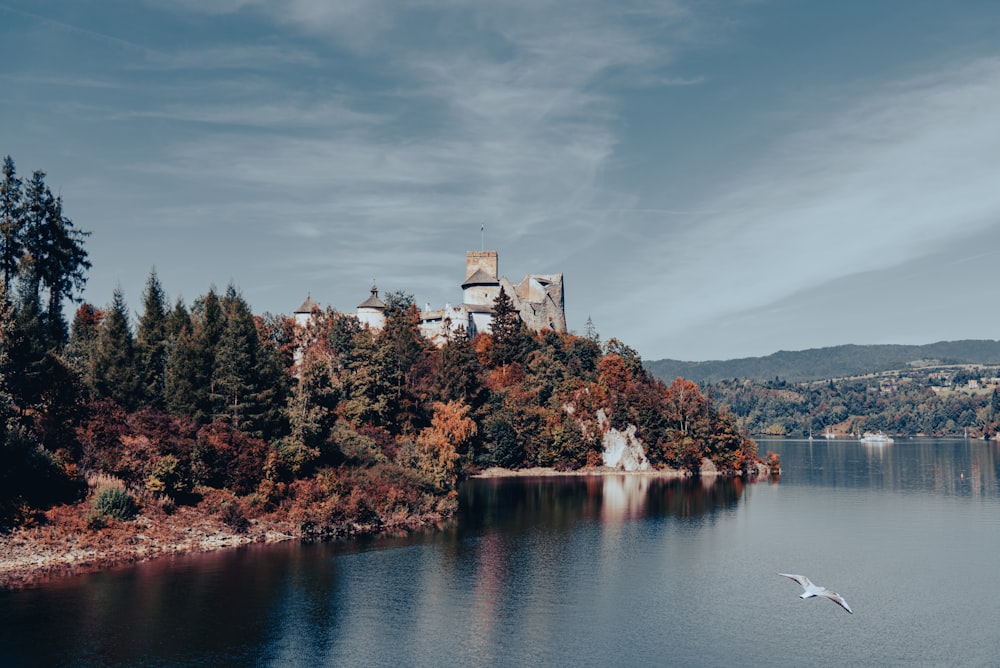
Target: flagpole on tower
x=482, y=231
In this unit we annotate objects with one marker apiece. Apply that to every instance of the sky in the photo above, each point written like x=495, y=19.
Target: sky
x=715, y=178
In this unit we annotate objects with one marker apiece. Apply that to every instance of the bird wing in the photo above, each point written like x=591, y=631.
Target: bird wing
x=838, y=599
x=801, y=579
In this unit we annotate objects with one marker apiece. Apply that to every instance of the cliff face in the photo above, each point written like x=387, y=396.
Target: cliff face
x=622, y=449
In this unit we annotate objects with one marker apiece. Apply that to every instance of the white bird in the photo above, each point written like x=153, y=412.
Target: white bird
x=812, y=590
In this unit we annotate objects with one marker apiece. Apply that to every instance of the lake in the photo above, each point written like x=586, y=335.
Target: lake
x=584, y=571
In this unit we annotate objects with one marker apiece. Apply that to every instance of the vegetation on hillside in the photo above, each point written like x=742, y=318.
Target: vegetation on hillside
x=949, y=401
x=333, y=427
x=833, y=362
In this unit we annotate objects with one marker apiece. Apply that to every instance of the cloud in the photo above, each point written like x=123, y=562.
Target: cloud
x=878, y=182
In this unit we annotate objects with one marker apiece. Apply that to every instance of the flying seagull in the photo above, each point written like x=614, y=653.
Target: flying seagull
x=815, y=590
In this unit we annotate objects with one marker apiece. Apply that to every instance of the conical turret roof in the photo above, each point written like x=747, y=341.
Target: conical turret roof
x=307, y=306
x=480, y=277
x=373, y=301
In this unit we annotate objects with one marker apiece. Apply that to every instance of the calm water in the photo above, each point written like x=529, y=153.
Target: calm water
x=585, y=572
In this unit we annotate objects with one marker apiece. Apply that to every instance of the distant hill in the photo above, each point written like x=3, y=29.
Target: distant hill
x=834, y=362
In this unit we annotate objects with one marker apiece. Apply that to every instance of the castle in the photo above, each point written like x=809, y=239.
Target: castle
x=538, y=298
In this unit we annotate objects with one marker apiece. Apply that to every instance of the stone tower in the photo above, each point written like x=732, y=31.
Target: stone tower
x=482, y=285
x=371, y=312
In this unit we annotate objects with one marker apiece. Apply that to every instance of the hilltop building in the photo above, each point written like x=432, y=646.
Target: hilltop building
x=538, y=298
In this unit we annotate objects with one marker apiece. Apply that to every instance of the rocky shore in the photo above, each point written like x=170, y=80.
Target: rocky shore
x=63, y=545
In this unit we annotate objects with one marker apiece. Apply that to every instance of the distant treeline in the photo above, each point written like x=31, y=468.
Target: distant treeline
x=826, y=363
x=908, y=406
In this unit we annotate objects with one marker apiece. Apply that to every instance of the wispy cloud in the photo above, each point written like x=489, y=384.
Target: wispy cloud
x=880, y=182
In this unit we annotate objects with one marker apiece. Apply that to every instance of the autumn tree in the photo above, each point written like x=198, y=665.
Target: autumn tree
x=689, y=423
x=441, y=444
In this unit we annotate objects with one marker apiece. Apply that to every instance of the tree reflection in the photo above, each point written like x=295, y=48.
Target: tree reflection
x=559, y=503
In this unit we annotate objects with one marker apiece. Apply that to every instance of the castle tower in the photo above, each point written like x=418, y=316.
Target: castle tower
x=303, y=314
x=482, y=285
x=371, y=312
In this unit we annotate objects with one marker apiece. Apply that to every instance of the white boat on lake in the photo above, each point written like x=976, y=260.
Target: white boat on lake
x=875, y=438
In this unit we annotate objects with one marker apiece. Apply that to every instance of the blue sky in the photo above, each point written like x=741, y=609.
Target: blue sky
x=716, y=179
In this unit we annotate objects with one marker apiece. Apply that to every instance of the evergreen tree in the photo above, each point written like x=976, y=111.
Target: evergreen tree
x=11, y=223
x=83, y=333
x=590, y=331
x=310, y=411
x=191, y=360
x=151, y=343
x=113, y=371
x=247, y=383
x=458, y=376
x=373, y=379
x=29, y=355
x=28, y=474
x=186, y=381
x=402, y=346
x=177, y=319
x=510, y=338
x=57, y=257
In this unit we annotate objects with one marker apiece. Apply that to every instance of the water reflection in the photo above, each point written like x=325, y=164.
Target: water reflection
x=514, y=538
x=950, y=468
x=564, y=502
x=580, y=571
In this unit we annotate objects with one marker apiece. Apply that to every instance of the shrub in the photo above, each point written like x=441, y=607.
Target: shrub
x=114, y=502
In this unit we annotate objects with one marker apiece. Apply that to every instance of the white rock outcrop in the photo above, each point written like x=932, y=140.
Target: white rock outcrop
x=622, y=449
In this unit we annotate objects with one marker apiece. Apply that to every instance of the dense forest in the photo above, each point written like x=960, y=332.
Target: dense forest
x=329, y=425
x=833, y=362
x=910, y=405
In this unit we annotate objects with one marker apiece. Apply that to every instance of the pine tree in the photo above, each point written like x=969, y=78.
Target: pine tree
x=458, y=376
x=83, y=334
x=590, y=331
x=29, y=355
x=113, y=372
x=11, y=223
x=247, y=383
x=177, y=319
x=151, y=343
x=510, y=340
x=186, y=383
x=58, y=260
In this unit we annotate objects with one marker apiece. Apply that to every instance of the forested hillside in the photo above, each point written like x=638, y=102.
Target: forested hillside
x=333, y=427
x=917, y=404
x=826, y=363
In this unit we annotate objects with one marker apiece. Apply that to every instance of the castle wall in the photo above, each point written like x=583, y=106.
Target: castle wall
x=540, y=301
x=372, y=318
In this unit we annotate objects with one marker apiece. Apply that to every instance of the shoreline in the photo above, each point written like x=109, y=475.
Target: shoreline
x=63, y=547
x=587, y=471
